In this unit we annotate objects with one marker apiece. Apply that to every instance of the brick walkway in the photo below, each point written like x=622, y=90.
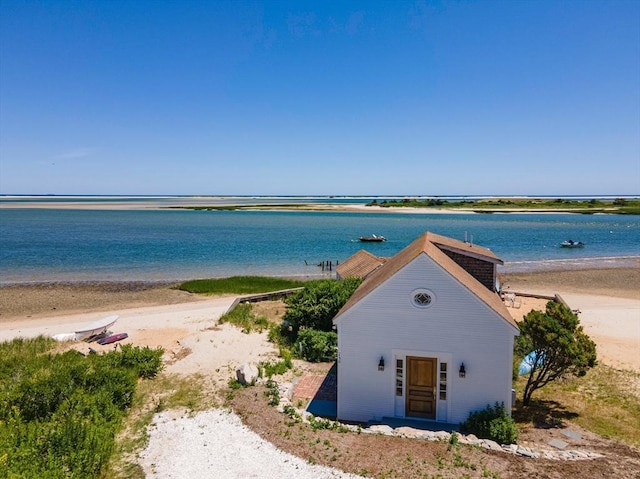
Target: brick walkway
x=322, y=387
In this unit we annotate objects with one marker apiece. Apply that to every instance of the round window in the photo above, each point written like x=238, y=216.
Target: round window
x=422, y=298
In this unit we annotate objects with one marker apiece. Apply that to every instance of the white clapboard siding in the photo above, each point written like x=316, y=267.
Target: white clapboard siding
x=457, y=325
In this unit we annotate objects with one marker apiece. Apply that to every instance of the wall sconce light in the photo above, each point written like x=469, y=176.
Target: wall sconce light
x=381, y=364
x=462, y=371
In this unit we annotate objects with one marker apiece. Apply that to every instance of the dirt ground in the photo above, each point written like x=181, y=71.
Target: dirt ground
x=377, y=456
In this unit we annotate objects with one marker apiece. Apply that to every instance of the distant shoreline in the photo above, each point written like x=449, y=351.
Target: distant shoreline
x=349, y=204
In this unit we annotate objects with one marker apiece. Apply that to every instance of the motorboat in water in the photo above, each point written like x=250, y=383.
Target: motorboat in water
x=572, y=244
x=373, y=239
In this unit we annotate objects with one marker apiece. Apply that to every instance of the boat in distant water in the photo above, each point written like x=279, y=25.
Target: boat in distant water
x=572, y=244
x=373, y=238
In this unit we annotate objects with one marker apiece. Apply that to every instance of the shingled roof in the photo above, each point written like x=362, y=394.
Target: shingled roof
x=432, y=245
x=360, y=265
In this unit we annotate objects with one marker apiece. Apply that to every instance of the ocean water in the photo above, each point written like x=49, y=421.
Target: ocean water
x=39, y=245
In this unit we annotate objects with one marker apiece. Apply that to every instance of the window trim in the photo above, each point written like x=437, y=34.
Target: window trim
x=422, y=291
x=443, y=373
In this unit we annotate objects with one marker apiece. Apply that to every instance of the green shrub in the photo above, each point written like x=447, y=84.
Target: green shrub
x=273, y=393
x=491, y=423
x=319, y=423
x=315, y=306
x=279, y=336
x=316, y=346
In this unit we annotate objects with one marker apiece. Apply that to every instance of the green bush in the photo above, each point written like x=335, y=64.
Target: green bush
x=315, y=306
x=316, y=346
x=491, y=423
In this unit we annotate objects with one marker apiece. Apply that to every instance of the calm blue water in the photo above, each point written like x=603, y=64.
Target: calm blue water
x=81, y=245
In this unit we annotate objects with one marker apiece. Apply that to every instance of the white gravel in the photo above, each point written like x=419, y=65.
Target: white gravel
x=216, y=444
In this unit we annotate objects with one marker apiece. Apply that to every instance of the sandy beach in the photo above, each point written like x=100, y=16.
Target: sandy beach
x=160, y=315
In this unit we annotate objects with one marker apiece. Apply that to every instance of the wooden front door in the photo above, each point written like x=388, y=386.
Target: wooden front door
x=421, y=387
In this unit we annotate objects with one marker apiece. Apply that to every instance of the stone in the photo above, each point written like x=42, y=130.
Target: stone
x=558, y=444
x=572, y=434
x=492, y=445
x=442, y=435
x=405, y=431
x=524, y=451
x=352, y=427
x=580, y=455
x=510, y=448
x=286, y=390
x=427, y=436
x=247, y=374
x=381, y=429
x=471, y=439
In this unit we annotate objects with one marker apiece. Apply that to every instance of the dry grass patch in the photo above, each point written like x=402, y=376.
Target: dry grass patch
x=166, y=391
x=272, y=310
x=604, y=401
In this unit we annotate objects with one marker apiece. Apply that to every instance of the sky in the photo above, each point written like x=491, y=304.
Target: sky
x=511, y=97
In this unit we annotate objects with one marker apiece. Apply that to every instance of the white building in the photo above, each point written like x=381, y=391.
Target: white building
x=426, y=336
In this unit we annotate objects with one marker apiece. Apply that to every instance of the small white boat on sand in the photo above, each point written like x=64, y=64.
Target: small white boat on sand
x=90, y=330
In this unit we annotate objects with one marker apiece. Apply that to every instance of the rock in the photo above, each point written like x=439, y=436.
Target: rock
x=558, y=444
x=572, y=434
x=352, y=427
x=286, y=390
x=471, y=439
x=428, y=435
x=405, y=431
x=380, y=429
x=510, y=448
x=443, y=435
x=489, y=444
x=549, y=455
x=247, y=374
x=525, y=451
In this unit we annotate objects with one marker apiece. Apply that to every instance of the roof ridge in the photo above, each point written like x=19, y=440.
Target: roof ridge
x=427, y=243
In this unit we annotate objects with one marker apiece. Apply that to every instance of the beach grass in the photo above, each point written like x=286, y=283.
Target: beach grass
x=239, y=285
x=60, y=412
x=243, y=317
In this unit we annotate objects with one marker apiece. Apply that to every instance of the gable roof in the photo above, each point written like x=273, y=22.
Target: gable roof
x=431, y=244
x=360, y=265
x=462, y=247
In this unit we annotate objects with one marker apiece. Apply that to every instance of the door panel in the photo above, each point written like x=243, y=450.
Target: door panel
x=421, y=387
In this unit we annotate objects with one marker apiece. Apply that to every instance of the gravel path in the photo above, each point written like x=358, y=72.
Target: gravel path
x=216, y=444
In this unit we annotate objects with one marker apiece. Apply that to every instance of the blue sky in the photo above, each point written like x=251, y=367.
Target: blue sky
x=320, y=97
